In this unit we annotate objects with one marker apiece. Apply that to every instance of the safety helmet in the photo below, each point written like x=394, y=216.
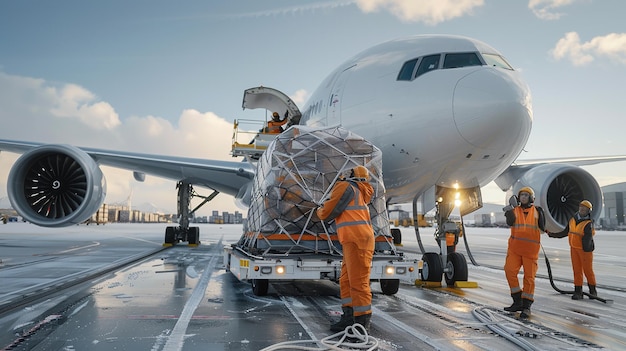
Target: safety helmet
x=528, y=190
x=587, y=204
x=275, y=114
x=360, y=173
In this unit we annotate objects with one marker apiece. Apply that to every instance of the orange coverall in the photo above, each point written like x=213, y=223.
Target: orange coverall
x=274, y=126
x=582, y=262
x=523, y=251
x=356, y=235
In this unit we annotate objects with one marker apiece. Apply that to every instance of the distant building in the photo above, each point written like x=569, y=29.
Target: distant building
x=612, y=216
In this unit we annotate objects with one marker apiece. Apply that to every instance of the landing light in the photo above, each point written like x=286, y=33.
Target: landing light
x=280, y=269
x=389, y=270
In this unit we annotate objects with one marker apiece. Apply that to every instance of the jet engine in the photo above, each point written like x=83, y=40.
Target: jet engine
x=56, y=186
x=559, y=188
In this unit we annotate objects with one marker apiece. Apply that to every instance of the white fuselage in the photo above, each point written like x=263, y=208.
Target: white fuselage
x=461, y=125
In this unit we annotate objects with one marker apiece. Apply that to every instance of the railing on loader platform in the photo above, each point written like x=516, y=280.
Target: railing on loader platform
x=249, y=138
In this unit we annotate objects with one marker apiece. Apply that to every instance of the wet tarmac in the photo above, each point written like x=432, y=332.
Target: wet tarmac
x=181, y=298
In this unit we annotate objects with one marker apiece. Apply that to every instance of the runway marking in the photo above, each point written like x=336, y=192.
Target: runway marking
x=412, y=331
x=95, y=243
x=176, y=339
x=306, y=328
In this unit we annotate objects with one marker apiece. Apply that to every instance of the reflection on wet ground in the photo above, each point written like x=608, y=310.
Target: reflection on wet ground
x=183, y=299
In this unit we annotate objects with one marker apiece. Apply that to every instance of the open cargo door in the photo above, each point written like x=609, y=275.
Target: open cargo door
x=272, y=100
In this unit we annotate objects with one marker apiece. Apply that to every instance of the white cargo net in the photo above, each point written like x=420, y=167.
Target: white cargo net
x=294, y=176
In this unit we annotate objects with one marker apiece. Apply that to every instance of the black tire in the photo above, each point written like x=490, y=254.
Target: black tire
x=170, y=235
x=193, y=235
x=432, y=269
x=397, y=236
x=457, y=269
x=260, y=286
x=389, y=286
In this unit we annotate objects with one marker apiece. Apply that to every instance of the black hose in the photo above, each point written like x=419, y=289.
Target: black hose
x=565, y=291
x=467, y=249
x=416, y=225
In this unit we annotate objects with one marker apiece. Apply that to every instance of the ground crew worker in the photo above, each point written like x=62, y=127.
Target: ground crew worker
x=275, y=125
x=580, y=232
x=527, y=222
x=348, y=206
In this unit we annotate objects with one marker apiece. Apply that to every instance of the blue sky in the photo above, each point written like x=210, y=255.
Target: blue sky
x=168, y=77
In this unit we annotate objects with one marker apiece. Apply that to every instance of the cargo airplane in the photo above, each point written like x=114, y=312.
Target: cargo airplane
x=449, y=114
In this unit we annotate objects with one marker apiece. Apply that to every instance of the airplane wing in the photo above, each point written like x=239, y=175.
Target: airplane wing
x=223, y=176
x=577, y=161
x=520, y=167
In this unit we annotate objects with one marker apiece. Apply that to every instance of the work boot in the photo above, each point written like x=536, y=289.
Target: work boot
x=364, y=320
x=346, y=320
x=525, y=308
x=517, y=303
x=578, y=293
x=592, y=290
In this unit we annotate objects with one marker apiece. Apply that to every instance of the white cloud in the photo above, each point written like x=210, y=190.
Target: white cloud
x=544, y=9
x=300, y=97
x=427, y=11
x=570, y=47
x=67, y=113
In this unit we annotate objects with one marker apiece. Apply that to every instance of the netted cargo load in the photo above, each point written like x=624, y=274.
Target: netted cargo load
x=294, y=176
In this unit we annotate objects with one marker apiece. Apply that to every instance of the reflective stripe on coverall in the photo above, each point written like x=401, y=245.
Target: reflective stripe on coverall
x=582, y=262
x=523, y=251
x=356, y=236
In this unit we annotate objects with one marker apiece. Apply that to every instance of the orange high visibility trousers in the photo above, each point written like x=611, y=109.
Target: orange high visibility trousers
x=582, y=263
x=354, y=281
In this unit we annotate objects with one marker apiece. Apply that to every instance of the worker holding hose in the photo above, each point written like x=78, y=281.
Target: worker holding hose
x=527, y=221
x=580, y=232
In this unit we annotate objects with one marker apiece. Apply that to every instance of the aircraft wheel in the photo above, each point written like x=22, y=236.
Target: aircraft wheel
x=397, y=236
x=260, y=286
x=194, y=235
x=432, y=269
x=456, y=268
x=389, y=286
x=170, y=235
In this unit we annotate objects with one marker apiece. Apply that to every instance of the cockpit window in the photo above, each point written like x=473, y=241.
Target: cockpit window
x=497, y=61
x=461, y=60
x=428, y=64
x=406, y=73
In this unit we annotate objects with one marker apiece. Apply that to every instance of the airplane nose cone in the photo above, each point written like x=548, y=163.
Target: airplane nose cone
x=492, y=108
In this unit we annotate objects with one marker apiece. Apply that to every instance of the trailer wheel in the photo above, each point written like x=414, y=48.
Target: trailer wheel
x=432, y=269
x=456, y=268
x=397, y=236
x=389, y=286
x=260, y=286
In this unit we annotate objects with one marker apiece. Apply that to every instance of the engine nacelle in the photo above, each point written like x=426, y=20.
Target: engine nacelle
x=559, y=188
x=56, y=186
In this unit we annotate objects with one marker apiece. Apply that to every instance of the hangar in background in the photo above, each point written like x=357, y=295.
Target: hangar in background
x=613, y=211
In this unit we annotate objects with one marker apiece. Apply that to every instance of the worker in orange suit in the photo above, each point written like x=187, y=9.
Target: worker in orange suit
x=580, y=232
x=348, y=205
x=275, y=125
x=527, y=221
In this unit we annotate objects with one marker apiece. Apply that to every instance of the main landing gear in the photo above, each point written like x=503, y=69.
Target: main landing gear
x=184, y=232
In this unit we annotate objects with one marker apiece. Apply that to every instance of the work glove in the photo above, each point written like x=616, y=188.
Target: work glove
x=513, y=202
